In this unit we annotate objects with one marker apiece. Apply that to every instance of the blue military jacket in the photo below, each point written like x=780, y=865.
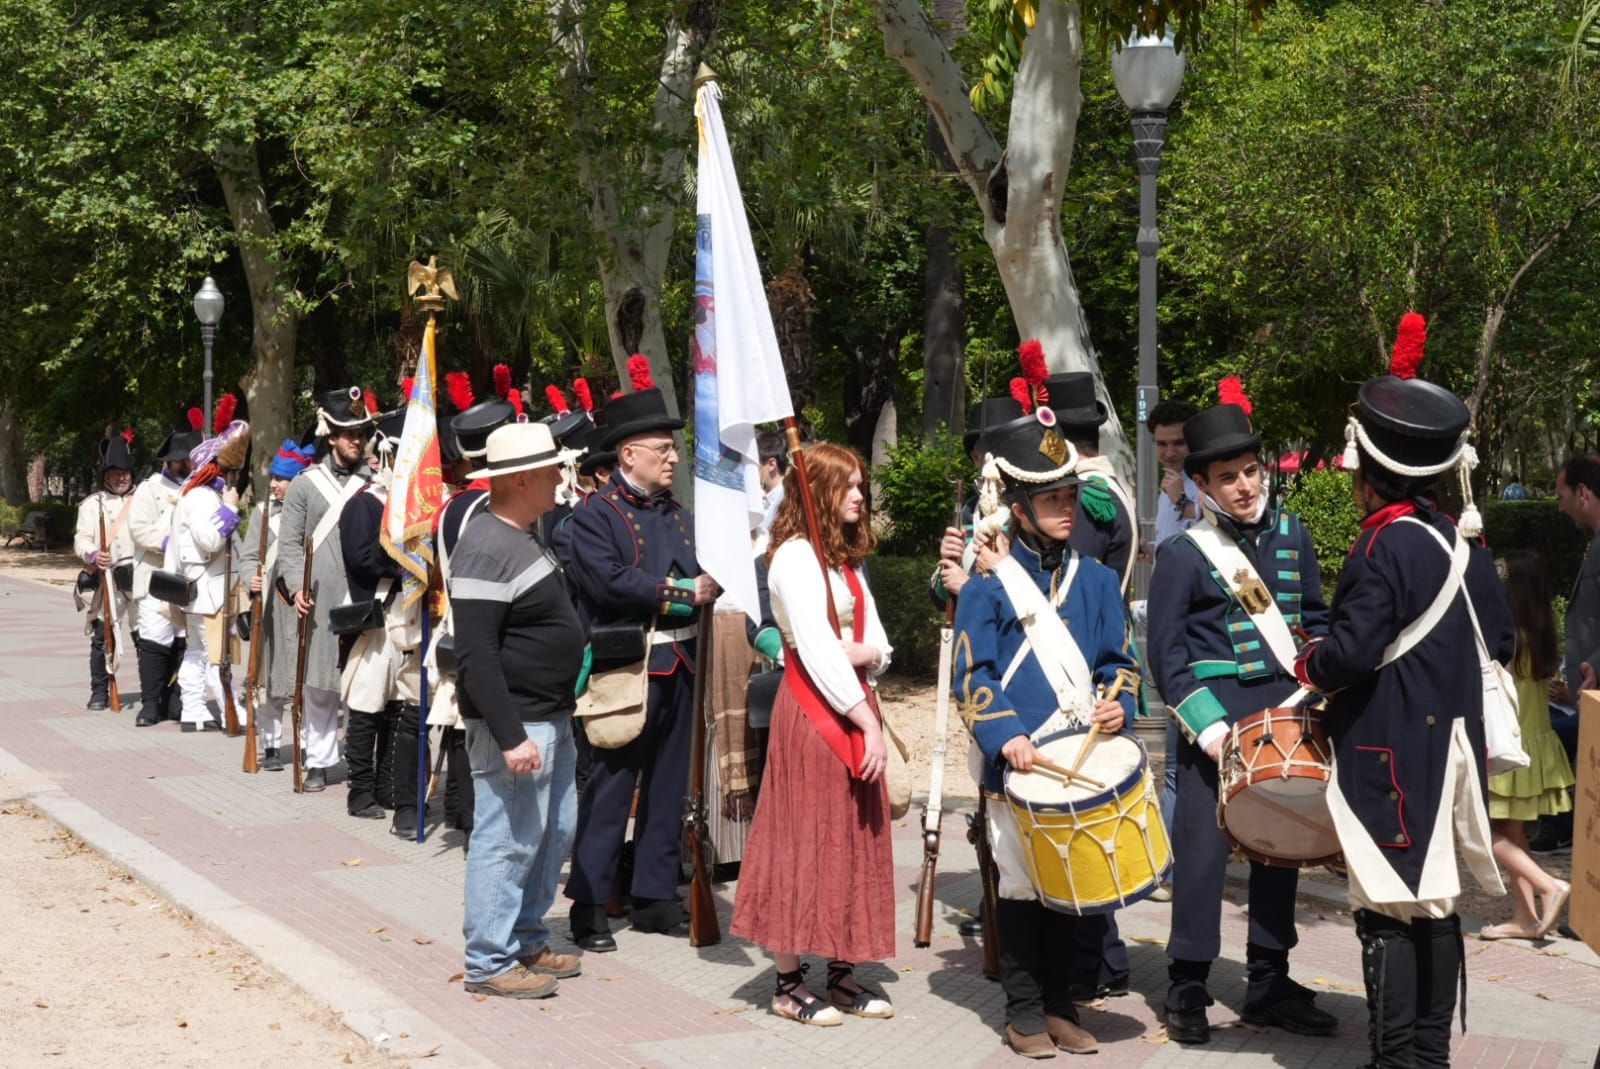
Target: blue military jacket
x=1390, y=727
x=626, y=549
x=1209, y=661
x=988, y=636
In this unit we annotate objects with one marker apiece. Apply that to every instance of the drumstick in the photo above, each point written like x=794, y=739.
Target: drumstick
x=1040, y=764
x=1116, y=687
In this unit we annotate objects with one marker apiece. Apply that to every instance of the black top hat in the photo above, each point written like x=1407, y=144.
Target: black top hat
x=1072, y=397
x=1217, y=433
x=114, y=453
x=472, y=427
x=1411, y=422
x=178, y=445
x=636, y=413
x=344, y=408
x=1033, y=447
x=988, y=413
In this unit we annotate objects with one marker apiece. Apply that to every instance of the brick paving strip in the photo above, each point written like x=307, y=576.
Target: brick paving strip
x=371, y=926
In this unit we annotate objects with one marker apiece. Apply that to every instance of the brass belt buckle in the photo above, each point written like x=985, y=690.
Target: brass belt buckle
x=1253, y=594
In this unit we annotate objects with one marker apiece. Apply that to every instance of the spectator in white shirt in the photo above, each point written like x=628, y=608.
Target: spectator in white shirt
x=1178, y=505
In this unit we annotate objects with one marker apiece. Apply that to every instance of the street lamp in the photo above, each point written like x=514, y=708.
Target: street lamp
x=1148, y=71
x=208, y=305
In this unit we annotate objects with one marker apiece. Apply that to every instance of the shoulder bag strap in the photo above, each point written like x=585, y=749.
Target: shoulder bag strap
x=1026, y=648
x=1064, y=667
x=330, y=519
x=1422, y=626
x=1229, y=561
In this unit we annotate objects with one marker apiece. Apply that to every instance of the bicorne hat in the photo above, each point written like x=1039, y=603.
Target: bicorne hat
x=341, y=409
x=116, y=452
x=1222, y=431
x=640, y=412
x=177, y=445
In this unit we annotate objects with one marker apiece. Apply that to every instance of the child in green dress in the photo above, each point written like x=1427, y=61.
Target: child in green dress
x=1544, y=787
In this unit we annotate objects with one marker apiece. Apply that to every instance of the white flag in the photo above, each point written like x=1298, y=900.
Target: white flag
x=738, y=372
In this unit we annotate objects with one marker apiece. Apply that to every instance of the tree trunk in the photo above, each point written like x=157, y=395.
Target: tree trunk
x=13, y=464
x=274, y=319
x=1019, y=191
x=944, y=286
x=868, y=387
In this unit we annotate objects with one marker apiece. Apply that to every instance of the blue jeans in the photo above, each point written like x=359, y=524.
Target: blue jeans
x=521, y=831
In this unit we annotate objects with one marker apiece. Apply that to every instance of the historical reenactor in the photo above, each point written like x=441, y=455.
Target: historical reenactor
x=1011, y=676
x=521, y=650
x=574, y=432
x=467, y=445
x=160, y=643
x=104, y=543
x=202, y=533
x=1105, y=528
x=276, y=628
x=380, y=680
x=634, y=565
x=818, y=870
x=955, y=562
x=1228, y=595
x=311, y=510
x=1407, y=725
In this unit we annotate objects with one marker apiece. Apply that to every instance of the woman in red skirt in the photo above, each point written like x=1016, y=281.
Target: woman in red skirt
x=818, y=870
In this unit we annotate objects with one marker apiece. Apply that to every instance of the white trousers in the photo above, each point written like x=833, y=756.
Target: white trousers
x=155, y=625
x=201, y=683
x=319, y=729
x=269, y=722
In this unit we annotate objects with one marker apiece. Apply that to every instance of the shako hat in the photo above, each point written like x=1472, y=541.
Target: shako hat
x=1029, y=454
x=595, y=459
x=458, y=398
x=473, y=427
x=640, y=412
x=516, y=447
x=1222, y=431
x=990, y=412
x=389, y=426
x=1412, y=428
x=340, y=409
x=117, y=452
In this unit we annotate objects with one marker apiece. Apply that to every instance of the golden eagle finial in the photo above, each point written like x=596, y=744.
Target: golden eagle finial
x=429, y=284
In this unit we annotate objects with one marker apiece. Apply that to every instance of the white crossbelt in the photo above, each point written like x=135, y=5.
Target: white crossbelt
x=679, y=634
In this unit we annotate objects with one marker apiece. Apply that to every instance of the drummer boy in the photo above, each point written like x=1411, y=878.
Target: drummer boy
x=1227, y=602
x=1017, y=684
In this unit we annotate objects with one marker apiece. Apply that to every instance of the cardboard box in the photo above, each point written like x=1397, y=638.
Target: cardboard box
x=1584, y=907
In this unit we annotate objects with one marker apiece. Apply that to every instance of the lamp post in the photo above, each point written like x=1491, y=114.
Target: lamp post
x=1148, y=71
x=208, y=305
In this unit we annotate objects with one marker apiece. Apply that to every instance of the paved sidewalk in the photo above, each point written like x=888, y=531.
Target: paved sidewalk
x=372, y=926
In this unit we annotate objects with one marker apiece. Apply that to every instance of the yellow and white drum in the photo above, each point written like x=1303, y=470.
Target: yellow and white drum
x=1088, y=849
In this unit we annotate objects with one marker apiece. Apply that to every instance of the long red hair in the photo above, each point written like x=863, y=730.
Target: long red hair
x=829, y=467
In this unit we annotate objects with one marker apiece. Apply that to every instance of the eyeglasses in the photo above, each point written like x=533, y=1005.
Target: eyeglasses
x=664, y=450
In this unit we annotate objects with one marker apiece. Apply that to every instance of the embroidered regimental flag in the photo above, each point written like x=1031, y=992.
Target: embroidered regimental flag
x=738, y=372
x=416, y=490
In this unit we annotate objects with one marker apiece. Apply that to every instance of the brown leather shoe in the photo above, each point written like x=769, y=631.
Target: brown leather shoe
x=516, y=982
x=550, y=963
x=1037, y=1045
x=1070, y=1036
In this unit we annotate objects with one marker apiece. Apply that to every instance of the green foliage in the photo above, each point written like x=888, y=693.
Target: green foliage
x=916, y=493
x=900, y=588
x=1538, y=526
x=1328, y=509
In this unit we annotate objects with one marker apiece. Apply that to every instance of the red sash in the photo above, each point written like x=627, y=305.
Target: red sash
x=845, y=739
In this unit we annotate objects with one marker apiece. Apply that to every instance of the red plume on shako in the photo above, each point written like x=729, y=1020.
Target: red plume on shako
x=1409, y=339
x=639, y=372
x=557, y=399
x=458, y=387
x=580, y=388
x=1230, y=391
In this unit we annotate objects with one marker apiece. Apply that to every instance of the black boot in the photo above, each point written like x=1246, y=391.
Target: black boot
x=403, y=770
x=99, y=678
x=458, y=796
x=1187, y=999
x=1441, y=969
x=361, y=741
x=152, y=681
x=1389, y=967
x=383, y=786
x=1271, y=998
x=1020, y=927
x=171, y=695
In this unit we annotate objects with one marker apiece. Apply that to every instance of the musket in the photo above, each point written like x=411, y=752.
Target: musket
x=109, y=622
x=225, y=666
x=704, y=927
x=304, y=643
x=257, y=639
x=933, y=809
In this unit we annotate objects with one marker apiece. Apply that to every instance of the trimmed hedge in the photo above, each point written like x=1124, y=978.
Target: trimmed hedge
x=1327, y=507
x=1537, y=525
x=900, y=587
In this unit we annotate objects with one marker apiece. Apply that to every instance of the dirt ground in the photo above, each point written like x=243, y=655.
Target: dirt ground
x=55, y=566
x=97, y=970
